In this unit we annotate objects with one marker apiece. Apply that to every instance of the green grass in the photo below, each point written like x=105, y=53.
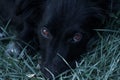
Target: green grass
x=102, y=61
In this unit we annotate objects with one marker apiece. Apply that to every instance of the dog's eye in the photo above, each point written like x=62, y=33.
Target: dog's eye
x=77, y=37
x=45, y=33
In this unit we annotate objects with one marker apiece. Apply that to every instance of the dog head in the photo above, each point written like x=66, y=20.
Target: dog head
x=64, y=31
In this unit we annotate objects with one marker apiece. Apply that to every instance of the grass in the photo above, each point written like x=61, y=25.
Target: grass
x=102, y=61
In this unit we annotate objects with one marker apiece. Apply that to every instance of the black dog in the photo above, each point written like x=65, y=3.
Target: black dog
x=66, y=28
x=63, y=27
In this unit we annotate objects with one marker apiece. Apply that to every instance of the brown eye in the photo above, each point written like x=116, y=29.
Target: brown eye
x=45, y=33
x=77, y=37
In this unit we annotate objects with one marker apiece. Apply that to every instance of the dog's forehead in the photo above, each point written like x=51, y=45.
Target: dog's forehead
x=68, y=19
x=65, y=31
x=61, y=16
x=64, y=10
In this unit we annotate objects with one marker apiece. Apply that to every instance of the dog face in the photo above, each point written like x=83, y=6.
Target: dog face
x=64, y=31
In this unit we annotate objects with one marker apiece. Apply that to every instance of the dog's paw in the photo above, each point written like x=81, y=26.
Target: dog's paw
x=12, y=50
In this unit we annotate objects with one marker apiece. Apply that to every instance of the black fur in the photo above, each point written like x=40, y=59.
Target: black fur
x=62, y=19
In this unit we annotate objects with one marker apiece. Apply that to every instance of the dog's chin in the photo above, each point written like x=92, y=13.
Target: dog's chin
x=50, y=72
